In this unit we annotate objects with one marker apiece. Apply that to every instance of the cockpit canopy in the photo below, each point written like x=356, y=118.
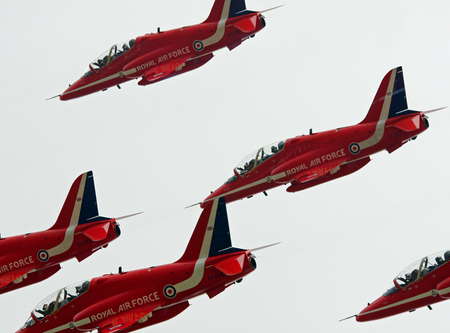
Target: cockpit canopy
x=420, y=268
x=109, y=55
x=56, y=301
x=113, y=52
x=423, y=266
x=260, y=155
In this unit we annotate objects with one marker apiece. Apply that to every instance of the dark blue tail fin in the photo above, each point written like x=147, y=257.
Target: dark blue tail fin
x=211, y=236
x=224, y=9
x=390, y=100
x=80, y=206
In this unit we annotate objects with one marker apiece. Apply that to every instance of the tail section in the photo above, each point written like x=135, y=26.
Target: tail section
x=390, y=100
x=80, y=206
x=211, y=236
x=224, y=9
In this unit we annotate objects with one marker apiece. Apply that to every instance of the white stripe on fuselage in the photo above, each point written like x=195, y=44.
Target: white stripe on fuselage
x=264, y=180
x=105, y=79
x=402, y=302
x=70, y=325
x=69, y=235
x=187, y=284
x=371, y=141
x=215, y=38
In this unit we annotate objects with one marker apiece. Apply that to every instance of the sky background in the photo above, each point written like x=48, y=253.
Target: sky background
x=161, y=147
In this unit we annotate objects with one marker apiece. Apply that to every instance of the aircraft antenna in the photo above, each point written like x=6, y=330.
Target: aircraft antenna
x=348, y=318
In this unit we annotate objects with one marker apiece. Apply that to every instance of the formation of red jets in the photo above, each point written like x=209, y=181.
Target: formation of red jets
x=129, y=301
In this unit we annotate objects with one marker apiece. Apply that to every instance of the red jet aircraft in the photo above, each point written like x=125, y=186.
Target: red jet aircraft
x=158, y=56
x=309, y=160
x=423, y=283
x=128, y=301
x=78, y=232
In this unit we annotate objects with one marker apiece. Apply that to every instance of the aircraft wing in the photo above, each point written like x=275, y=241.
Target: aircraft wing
x=9, y=277
x=163, y=70
x=124, y=320
x=319, y=171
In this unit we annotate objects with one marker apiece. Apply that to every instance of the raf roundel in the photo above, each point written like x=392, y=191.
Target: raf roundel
x=169, y=291
x=354, y=148
x=43, y=256
x=198, y=45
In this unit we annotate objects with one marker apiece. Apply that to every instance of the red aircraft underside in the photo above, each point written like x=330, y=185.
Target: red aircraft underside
x=77, y=233
x=158, y=56
x=309, y=160
x=129, y=301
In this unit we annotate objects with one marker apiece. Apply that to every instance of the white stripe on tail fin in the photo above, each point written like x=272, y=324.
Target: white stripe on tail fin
x=80, y=206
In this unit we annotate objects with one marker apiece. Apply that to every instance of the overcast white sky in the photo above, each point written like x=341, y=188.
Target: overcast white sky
x=158, y=148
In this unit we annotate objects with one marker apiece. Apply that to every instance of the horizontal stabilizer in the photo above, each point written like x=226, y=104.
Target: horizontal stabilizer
x=231, y=266
x=98, y=232
x=408, y=124
x=247, y=24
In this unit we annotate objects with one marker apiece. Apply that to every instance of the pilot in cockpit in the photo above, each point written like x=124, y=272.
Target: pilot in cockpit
x=44, y=311
x=81, y=289
x=47, y=309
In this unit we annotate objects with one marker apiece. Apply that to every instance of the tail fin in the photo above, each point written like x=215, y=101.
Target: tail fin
x=224, y=9
x=211, y=236
x=390, y=100
x=80, y=206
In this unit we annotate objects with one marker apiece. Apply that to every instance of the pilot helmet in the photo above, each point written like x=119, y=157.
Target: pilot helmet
x=447, y=255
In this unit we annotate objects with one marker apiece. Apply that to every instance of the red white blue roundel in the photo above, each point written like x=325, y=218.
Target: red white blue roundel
x=169, y=291
x=198, y=45
x=354, y=148
x=43, y=256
